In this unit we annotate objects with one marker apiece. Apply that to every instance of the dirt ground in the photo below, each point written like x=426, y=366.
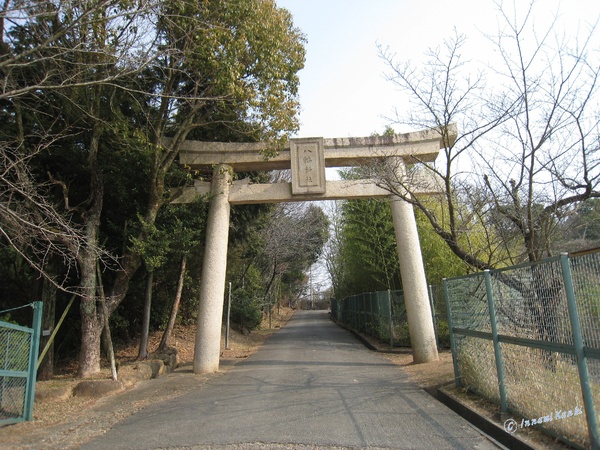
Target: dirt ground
x=62, y=421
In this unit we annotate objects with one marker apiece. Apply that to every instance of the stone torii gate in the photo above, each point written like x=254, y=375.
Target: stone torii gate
x=307, y=158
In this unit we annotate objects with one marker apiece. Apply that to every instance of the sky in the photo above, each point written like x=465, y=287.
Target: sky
x=343, y=91
x=342, y=87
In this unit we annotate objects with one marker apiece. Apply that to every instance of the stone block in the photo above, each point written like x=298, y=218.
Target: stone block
x=133, y=373
x=169, y=357
x=97, y=388
x=157, y=366
x=55, y=394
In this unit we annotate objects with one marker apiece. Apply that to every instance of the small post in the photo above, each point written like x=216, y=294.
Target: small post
x=584, y=377
x=228, y=314
x=451, y=333
x=34, y=348
x=389, y=293
x=497, y=350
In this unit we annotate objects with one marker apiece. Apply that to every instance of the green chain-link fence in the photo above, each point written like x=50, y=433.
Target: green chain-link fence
x=18, y=367
x=528, y=338
x=383, y=315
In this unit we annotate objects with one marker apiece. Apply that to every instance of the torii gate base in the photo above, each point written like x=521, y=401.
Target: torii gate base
x=307, y=159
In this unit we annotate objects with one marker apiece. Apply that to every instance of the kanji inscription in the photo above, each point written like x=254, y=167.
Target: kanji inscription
x=308, y=166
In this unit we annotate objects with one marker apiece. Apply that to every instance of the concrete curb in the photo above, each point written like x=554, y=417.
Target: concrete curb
x=490, y=428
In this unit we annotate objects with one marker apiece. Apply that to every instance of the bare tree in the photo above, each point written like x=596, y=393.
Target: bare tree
x=526, y=151
x=38, y=57
x=445, y=95
x=545, y=158
x=30, y=223
x=331, y=250
x=293, y=240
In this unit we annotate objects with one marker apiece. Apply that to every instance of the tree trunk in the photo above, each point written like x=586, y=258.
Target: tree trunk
x=105, y=316
x=91, y=332
x=91, y=323
x=91, y=326
x=130, y=263
x=175, y=309
x=143, y=353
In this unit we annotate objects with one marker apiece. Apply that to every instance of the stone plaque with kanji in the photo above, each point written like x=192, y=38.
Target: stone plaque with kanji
x=308, y=166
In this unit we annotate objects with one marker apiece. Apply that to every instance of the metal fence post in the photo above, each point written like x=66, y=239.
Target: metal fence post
x=364, y=304
x=356, y=321
x=356, y=318
x=358, y=312
x=353, y=318
x=371, y=319
x=497, y=350
x=389, y=295
x=348, y=311
x=451, y=333
x=435, y=330
x=584, y=378
x=228, y=318
x=34, y=348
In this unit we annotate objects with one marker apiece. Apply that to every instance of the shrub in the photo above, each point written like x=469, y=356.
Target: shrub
x=246, y=310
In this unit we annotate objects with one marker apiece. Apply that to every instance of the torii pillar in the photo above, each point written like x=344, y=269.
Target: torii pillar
x=412, y=273
x=308, y=158
x=214, y=268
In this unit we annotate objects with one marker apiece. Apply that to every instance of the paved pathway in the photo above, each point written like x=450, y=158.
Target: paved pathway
x=311, y=384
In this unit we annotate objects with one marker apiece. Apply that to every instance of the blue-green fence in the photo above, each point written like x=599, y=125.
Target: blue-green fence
x=383, y=315
x=528, y=338
x=18, y=368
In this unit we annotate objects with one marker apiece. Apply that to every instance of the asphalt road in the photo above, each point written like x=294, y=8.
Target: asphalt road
x=312, y=384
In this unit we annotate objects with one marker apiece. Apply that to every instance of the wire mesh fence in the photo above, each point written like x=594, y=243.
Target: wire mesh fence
x=15, y=344
x=528, y=338
x=383, y=315
x=18, y=356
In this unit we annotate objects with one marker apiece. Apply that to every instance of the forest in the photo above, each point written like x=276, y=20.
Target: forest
x=89, y=91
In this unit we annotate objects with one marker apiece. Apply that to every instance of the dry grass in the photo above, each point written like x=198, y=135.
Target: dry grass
x=536, y=385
